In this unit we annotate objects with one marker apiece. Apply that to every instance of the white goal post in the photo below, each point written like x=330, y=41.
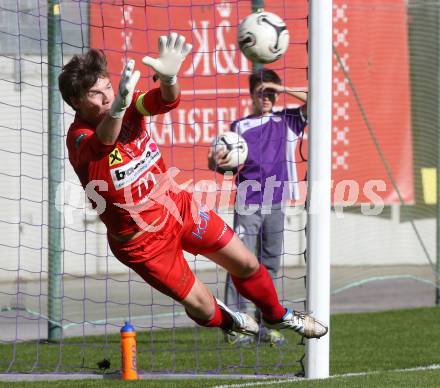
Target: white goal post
x=319, y=178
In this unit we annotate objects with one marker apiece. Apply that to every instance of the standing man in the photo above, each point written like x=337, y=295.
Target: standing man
x=267, y=179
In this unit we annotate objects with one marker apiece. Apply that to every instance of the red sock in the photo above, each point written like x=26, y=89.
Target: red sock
x=259, y=289
x=220, y=319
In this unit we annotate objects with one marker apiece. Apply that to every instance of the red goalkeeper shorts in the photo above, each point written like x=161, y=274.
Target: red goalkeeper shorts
x=158, y=257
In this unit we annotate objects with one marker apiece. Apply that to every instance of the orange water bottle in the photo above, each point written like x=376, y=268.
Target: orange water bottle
x=128, y=353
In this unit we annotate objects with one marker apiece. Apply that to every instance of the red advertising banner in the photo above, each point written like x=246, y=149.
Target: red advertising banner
x=371, y=88
x=371, y=101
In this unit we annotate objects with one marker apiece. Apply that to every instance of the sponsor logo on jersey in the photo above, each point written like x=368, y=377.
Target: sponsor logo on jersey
x=225, y=228
x=130, y=172
x=115, y=157
x=200, y=228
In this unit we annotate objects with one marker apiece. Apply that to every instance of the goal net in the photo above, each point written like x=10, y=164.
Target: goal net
x=384, y=160
x=94, y=293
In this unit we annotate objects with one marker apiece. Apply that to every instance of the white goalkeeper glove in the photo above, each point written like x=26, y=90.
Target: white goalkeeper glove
x=172, y=52
x=127, y=84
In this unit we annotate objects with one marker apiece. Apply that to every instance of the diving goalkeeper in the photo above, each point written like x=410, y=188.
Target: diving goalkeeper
x=149, y=219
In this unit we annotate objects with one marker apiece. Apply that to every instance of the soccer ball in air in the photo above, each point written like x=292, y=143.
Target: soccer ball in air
x=263, y=37
x=235, y=145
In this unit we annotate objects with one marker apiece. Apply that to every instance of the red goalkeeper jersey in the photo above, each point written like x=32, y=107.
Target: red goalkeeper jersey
x=120, y=176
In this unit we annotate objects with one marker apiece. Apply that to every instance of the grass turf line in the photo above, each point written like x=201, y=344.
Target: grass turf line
x=359, y=343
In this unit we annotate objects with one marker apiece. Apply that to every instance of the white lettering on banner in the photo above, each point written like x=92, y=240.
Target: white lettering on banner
x=192, y=126
x=127, y=36
x=129, y=173
x=202, y=50
x=228, y=53
x=181, y=114
x=222, y=59
x=126, y=20
x=222, y=122
x=224, y=9
x=208, y=125
x=167, y=128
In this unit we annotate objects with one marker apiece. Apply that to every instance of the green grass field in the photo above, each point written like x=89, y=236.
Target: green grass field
x=373, y=345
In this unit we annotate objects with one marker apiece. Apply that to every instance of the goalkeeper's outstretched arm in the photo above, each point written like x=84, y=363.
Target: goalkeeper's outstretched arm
x=173, y=51
x=109, y=128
